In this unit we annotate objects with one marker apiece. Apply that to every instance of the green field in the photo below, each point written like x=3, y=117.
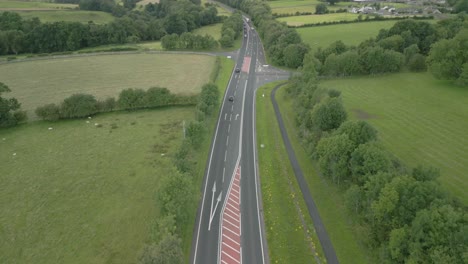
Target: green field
x=52, y=80
x=33, y=5
x=69, y=16
x=81, y=193
x=421, y=120
x=212, y=30
x=293, y=6
x=350, y=34
x=312, y=19
x=282, y=199
x=348, y=238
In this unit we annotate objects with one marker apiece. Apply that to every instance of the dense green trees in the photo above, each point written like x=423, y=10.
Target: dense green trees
x=447, y=57
x=19, y=35
x=231, y=30
x=321, y=9
x=10, y=115
x=188, y=40
x=408, y=217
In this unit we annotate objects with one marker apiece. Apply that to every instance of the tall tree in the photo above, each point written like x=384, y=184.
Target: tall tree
x=8, y=108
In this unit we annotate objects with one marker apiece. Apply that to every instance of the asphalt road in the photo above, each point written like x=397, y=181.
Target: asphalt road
x=233, y=145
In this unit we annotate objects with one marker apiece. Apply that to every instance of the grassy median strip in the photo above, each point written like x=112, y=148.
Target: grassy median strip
x=285, y=211
x=344, y=234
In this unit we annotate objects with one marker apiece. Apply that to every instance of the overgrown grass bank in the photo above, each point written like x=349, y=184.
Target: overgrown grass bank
x=420, y=119
x=81, y=192
x=284, y=207
x=345, y=236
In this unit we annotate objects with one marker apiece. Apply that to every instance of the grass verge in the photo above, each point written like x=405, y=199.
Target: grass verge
x=81, y=193
x=223, y=76
x=420, y=119
x=347, y=237
x=290, y=232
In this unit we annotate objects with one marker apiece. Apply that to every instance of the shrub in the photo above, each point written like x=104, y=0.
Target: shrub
x=78, y=105
x=131, y=99
x=49, y=112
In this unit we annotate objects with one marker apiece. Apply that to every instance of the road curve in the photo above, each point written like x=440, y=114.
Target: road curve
x=322, y=234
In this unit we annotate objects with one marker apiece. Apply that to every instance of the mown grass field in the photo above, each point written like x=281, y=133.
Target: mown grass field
x=350, y=34
x=287, y=240
x=39, y=82
x=6, y=4
x=311, y=19
x=347, y=237
x=293, y=6
x=81, y=193
x=69, y=16
x=212, y=30
x=420, y=119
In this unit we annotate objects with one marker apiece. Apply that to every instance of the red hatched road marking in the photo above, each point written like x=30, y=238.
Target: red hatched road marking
x=246, y=64
x=231, y=250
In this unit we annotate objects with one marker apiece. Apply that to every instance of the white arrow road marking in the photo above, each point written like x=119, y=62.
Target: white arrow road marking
x=212, y=212
x=237, y=116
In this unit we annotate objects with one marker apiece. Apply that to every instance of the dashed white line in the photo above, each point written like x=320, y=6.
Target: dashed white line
x=225, y=115
x=232, y=108
x=224, y=172
x=229, y=128
x=227, y=140
x=225, y=155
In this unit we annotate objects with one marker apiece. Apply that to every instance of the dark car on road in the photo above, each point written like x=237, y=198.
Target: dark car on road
x=231, y=98
x=237, y=70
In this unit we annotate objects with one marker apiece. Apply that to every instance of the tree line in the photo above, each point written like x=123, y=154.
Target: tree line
x=83, y=105
x=416, y=45
x=408, y=216
x=18, y=35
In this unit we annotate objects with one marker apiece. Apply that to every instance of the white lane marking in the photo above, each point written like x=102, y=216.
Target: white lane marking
x=255, y=174
x=230, y=117
x=224, y=172
x=224, y=235
x=237, y=115
x=234, y=213
x=224, y=262
x=231, y=257
x=229, y=128
x=224, y=227
x=208, y=171
x=232, y=217
x=235, y=196
x=225, y=155
x=234, y=201
x=227, y=140
x=235, y=250
x=232, y=107
x=229, y=222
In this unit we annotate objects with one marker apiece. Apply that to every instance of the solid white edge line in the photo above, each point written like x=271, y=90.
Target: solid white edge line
x=255, y=170
x=209, y=165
